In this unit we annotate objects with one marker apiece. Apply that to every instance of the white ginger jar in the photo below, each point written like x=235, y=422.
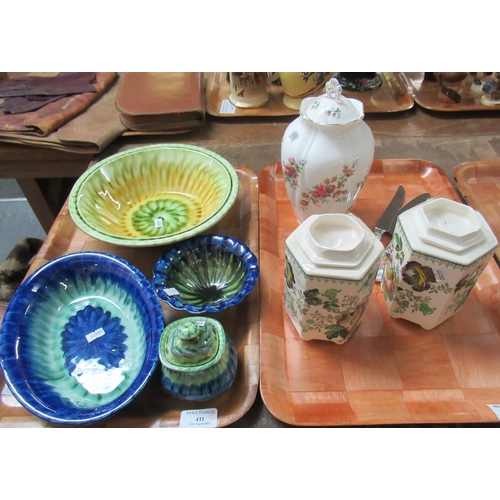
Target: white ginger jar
x=326, y=154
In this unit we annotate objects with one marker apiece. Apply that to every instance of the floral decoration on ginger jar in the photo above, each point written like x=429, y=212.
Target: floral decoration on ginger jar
x=331, y=262
x=437, y=254
x=326, y=154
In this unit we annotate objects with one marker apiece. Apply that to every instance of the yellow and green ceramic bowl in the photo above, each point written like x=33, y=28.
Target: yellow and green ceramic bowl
x=153, y=195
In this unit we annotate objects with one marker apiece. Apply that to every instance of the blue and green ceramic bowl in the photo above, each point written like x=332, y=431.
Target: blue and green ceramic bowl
x=205, y=274
x=153, y=195
x=80, y=338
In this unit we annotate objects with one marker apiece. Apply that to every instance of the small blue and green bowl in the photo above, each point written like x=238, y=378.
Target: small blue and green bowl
x=205, y=274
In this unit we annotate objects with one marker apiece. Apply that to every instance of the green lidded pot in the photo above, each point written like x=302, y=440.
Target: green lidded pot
x=199, y=360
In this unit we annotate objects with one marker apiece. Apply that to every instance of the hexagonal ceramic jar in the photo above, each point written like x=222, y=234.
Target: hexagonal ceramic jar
x=331, y=261
x=438, y=251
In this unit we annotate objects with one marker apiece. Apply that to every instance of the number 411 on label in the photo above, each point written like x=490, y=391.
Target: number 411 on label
x=199, y=418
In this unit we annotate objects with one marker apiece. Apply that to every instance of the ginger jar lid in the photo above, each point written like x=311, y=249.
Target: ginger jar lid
x=332, y=108
x=192, y=343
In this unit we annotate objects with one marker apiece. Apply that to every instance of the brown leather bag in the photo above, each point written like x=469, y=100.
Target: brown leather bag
x=161, y=101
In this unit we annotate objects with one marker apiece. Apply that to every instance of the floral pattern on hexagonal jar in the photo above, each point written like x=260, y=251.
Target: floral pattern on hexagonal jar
x=331, y=262
x=326, y=154
x=437, y=254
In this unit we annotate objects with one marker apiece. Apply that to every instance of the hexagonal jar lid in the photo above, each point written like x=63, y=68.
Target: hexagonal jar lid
x=449, y=230
x=332, y=108
x=191, y=344
x=335, y=245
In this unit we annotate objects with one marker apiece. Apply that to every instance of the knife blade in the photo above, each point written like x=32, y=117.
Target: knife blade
x=387, y=217
x=413, y=203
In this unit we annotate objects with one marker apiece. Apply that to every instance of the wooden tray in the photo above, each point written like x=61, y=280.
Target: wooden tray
x=425, y=94
x=390, y=371
x=381, y=100
x=479, y=184
x=152, y=407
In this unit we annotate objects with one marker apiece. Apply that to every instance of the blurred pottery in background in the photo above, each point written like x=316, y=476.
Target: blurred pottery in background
x=326, y=154
x=331, y=261
x=491, y=89
x=248, y=90
x=438, y=251
x=298, y=85
x=450, y=86
x=479, y=81
x=359, y=82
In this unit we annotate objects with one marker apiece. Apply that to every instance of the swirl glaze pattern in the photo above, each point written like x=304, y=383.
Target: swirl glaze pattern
x=207, y=273
x=199, y=360
x=192, y=343
x=163, y=215
x=202, y=386
x=49, y=365
x=153, y=195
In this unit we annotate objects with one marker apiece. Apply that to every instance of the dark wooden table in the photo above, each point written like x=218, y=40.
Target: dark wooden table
x=446, y=139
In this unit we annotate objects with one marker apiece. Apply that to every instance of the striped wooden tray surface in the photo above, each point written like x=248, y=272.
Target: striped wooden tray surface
x=479, y=184
x=390, y=371
x=152, y=407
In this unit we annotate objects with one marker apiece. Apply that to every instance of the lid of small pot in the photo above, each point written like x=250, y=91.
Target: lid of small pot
x=332, y=108
x=192, y=342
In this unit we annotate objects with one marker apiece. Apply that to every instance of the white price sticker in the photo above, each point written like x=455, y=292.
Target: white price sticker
x=496, y=409
x=439, y=275
x=227, y=107
x=199, y=418
x=95, y=335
